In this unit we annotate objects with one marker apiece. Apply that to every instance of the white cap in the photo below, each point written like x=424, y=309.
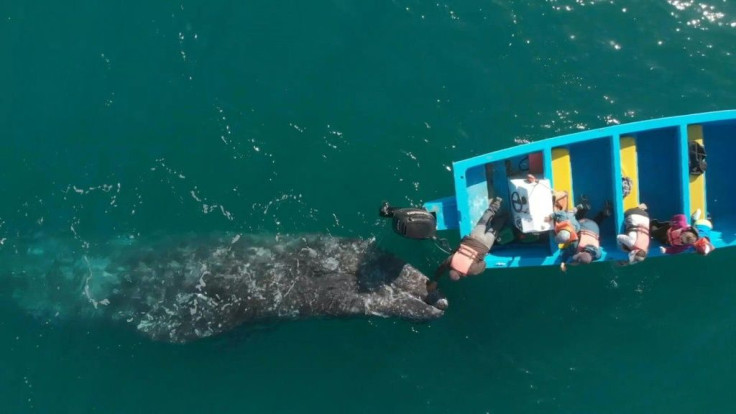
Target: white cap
x=562, y=236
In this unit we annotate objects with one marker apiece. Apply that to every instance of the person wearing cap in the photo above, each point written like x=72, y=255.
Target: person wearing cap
x=469, y=257
x=586, y=247
x=635, y=239
x=566, y=227
x=676, y=235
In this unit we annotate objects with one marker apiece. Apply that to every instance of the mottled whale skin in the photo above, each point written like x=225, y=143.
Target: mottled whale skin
x=178, y=289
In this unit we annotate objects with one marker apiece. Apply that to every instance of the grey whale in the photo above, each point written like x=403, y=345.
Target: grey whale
x=182, y=288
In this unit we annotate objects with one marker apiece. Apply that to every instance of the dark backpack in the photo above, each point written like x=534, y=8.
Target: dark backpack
x=696, y=153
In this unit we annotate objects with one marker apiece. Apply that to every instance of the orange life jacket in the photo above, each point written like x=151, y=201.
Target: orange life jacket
x=703, y=245
x=464, y=258
x=566, y=225
x=588, y=238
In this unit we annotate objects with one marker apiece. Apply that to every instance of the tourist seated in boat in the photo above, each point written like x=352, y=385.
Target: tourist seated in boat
x=635, y=240
x=704, y=226
x=585, y=247
x=676, y=235
x=566, y=224
x=469, y=257
x=565, y=219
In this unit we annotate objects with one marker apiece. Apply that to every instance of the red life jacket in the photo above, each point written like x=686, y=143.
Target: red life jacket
x=673, y=236
x=588, y=238
x=464, y=258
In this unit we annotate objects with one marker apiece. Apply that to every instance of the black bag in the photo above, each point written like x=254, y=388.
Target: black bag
x=696, y=153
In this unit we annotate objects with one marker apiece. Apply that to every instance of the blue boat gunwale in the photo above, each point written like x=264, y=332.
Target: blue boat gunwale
x=612, y=133
x=600, y=133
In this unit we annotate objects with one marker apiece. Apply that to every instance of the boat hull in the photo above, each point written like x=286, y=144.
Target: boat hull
x=625, y=164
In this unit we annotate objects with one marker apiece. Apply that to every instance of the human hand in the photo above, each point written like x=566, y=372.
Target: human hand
x=563, y=267
x=663, y=249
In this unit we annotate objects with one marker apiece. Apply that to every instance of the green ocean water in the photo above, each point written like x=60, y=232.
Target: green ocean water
x=138, y=118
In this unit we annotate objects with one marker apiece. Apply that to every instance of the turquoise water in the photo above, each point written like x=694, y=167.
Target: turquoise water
x=137, y=118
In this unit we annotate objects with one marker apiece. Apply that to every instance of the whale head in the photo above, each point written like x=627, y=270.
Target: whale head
x=334, y=276
x=399, y=288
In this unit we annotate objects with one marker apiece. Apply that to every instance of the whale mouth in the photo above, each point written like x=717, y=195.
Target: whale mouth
x=437, y=299
x=414, y=282
x=399, y=287
x=441, y=304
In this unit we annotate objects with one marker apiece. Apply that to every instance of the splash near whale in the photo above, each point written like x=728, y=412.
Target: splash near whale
x=178, y=289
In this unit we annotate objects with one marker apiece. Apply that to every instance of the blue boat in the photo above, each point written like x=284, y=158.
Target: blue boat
x=626, y=164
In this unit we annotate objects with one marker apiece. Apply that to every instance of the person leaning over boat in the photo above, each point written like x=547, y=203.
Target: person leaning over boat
x=566, y=225
x=469, y=257
x=635, y=240
x=676, y=235
x=566, y=228
x=586, y=247
x=704, y=226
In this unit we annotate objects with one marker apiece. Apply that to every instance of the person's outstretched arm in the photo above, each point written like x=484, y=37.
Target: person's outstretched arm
x=627, y=239
x=568, y=252
x=442, y=269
